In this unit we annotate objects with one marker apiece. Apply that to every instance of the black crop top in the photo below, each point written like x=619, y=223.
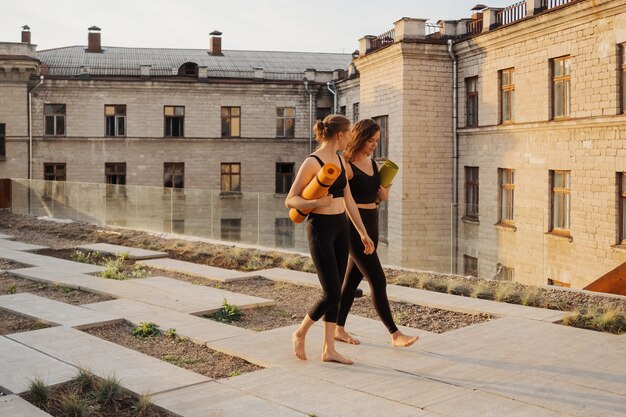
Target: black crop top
x=336, y=190
x=364, y=187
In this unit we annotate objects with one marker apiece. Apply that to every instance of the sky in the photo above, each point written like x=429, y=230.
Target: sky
x=270, y=25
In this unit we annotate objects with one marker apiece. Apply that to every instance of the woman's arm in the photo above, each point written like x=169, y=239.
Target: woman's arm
x=307, y=171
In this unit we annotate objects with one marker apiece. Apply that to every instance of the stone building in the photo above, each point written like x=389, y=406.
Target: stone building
x=534, y=168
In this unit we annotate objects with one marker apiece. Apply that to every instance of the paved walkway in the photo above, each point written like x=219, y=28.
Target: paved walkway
x=520, y=364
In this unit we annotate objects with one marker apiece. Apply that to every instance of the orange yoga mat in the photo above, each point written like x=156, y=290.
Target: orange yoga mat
x=317, y=188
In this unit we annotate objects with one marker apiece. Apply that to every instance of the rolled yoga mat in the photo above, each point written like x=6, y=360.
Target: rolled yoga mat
x=387, y=173
x=317, y=188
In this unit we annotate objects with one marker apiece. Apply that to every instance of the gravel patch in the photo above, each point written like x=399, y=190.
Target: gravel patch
x=13, y=323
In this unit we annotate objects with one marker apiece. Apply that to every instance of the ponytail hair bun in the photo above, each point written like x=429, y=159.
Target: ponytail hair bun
x=330, y=126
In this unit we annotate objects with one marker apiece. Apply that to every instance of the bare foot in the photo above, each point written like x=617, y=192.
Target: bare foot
x=343, y=336
x=334, y=356
x=399, y=339
x=298, y=346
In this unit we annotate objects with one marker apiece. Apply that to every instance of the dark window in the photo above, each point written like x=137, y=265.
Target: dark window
x=3, y=149
x=560, y=193
x=231, y=229
x=189, y=69
x=115, y=120
x=115, y=176
x=322, y=112
x=231, y=177
x=55, y=174
x=471, y=88
x=621, y=195
x=285, y=122
x=174, y=121
x=342, y=110
x=284, y=231
x=470, y=266
x=623, y=75
x=355, y=112
x=506, y=182
x=231, y=122
x=284, y=177
x=54, y=119
x=174, y=175
x=507, y=95
x=561, y=81
x=471, y=193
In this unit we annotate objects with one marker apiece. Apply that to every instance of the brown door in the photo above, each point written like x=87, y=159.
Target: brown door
x=5, y=193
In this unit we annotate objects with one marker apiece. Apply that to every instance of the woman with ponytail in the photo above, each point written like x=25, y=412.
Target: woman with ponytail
x=327, y=232
x=364, y=182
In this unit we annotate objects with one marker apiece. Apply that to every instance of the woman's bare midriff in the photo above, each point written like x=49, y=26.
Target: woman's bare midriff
x=336, y=207
x=367, y=206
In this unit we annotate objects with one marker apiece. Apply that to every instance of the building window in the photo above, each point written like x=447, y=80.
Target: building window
x=284, y=177
x=55, y=174
x=230, y=229
x=471, y=87
x=621, y=182
x=504, y=273
x=189, y=69
x=561, y=81
x=115, y=177
x=285, y=122
x=623, y=75
x=342, y=110
x=322, y=112
x=3, y=149
x=55, y=119
x=355, y=112
x=560, y=186
x=174, y=175
x=231, y=177
x=174, y=121
x=231, y=122
x=284, y=232
x=115, y=120
x=506, y=183
x=382, y=153
x=471, y=193
x=507, y=95
x=470, y=266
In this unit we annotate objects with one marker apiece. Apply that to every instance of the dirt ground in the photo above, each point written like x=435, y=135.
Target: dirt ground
x=13, y=323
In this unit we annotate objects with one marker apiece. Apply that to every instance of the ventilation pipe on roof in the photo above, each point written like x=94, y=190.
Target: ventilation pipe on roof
x=215, y=43
x=455, y=160
x=94, y=43
x=308, y=90
x=333, y=89
x=26, y=34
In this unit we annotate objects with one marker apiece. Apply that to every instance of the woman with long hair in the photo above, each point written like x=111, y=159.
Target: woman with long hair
x=327, y=232
x=364, y=182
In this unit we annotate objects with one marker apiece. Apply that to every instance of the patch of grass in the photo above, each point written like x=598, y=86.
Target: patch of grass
x=108, y=390
x=507, y=292
x=483, y=291
x=39, y=391
x=234, y=373
x=532, y=297
x=86, y=257
x=228, y=313
x=295, y=262
x=114, y=268
x=73, y=406
x=175, y=360
x=308, y=266
x=139, y=271
x=459, y=288
x=408, y=280
x=433, y=284
x=145, y=329
x=170, y=333
x=143, y=404
x=607, y=318
x=83, y=381
x=12, y=289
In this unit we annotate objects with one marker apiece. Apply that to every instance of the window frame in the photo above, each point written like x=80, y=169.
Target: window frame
x=3, y=142
x=168, y=120
x=116, y=120
x=233, y=228
x=621, y=195
x=230, y=174
x=472, y=211
x=56, y=116
x=282, y=119
x=566, y=79
x=227, y=121
x=510, y=89
x=115, y=189
x=467, y=261
x=504, y=188
x=471, y=119
x=566, y=202
x=172, y=171
x=622, y=77
x=54, y=187
x=284, y=180
x=355, y=112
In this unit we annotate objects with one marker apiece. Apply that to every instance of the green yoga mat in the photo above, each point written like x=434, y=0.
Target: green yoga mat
x=387, y=173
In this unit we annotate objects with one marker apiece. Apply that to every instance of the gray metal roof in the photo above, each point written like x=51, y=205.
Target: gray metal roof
x=67, y=61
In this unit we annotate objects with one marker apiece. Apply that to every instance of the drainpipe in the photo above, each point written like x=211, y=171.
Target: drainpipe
x=455, y=160
x=30, y=128
x=333, y=89
x=308, y=90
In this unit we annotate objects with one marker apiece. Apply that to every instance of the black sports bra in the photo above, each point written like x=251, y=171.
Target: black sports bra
x=364, y=187
x=340, y=183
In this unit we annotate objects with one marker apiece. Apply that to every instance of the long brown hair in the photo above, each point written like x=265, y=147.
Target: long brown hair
x=362, y=131
x=331, y=125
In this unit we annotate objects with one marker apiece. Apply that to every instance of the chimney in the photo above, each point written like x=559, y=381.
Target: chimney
x=216, y=43
x=94, y=45
x=26, y=34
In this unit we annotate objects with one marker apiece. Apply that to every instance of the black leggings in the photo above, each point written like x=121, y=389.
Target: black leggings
x=328, y=242
x=369, y=265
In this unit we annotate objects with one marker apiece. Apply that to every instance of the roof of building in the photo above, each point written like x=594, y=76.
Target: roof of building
x=67, y=61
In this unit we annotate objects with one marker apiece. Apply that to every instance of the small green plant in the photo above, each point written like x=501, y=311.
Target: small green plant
x=108, y=390
x=234, y=373
x=39, y=325
x=228, y=313
x=433, y=284
x=145, y=329
x=12, y=289
x=143, y=404
x=39, y=391
x=171, y=333
x=483, y=291
x=295, y=262
x=114, y=268
x=84, y=381
x=73, y=406
x=140, y=271
x=66, y=290
x=459, y=288
x=609, y=319
x=86, y=257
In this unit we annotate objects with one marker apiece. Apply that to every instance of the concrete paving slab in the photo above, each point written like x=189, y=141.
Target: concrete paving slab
x=216, y=399
x=40, y=308
x=137, y=372
x=74, y=280
x=196, y=270
x=133, y=253
x=6, y=237
x=34, y=259
x=15, y=406
x=21, y=364
x=24, y=247
x=197, y=329
x=293, y=277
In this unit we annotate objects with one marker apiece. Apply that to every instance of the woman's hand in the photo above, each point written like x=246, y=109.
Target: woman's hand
x=383, y=193
x=325, y=201
x=368, y=243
